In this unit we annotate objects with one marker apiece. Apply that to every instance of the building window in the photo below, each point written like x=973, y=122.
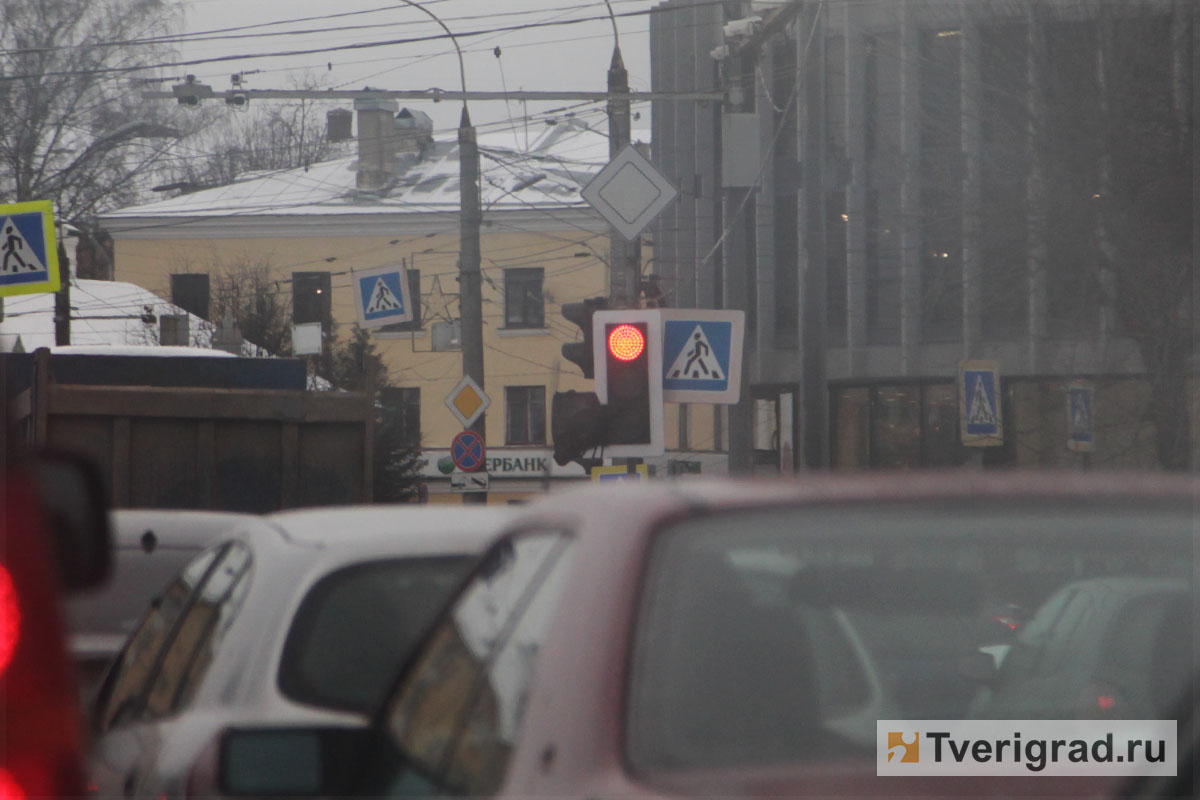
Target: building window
x=523, y=304
x=190, y=291
x=787, y=270
x=402, y=410
x=413, y=299
x=884, y=159
x=311, y=292
x=526, y=422
x=901, y=426
x=942, y=170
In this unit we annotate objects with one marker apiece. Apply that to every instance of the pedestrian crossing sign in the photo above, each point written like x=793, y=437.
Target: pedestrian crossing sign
x=702, y=355
x=1081, y=421
x=381, y=297
x=28, y=249
x=980, y=414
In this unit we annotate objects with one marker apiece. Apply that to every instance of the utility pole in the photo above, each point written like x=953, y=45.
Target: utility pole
x=625, y=257
x=62, y=299
x=815, y=391
x=470, y=298
x=739, y=82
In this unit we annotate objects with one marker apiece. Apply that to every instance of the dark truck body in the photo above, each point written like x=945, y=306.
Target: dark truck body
x=229, y=434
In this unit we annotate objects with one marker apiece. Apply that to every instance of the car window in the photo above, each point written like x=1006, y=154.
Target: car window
x=456, y=715
x=355, y=626
x=199, y=632
x=137, y=577
x=783, y=636
x=121, y=696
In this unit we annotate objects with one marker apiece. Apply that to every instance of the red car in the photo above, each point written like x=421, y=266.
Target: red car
x=53, y=538
x=727, y=639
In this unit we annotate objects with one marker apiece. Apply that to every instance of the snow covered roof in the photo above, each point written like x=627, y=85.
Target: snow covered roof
x=549, y=173
x=104, y=314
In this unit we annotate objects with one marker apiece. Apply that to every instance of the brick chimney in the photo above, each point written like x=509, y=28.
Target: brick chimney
x=377, y=141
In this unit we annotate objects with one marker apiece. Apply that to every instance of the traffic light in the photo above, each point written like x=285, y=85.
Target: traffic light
x=311, y=293
x=577, y=425
x=628, y=344
x=580, y=353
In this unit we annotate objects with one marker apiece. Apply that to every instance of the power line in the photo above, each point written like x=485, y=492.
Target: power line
x=333, y=48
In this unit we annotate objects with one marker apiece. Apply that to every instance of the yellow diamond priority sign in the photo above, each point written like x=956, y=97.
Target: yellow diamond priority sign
x=467, y=401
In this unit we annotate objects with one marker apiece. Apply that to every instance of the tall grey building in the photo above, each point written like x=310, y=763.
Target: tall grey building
x=895, y=186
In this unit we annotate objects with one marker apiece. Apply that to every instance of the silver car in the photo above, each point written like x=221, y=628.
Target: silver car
x=299, y=617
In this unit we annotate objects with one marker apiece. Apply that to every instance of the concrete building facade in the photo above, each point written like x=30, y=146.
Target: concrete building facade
x=893, y=187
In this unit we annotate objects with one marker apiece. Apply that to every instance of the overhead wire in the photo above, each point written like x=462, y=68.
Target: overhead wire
x=329, y=49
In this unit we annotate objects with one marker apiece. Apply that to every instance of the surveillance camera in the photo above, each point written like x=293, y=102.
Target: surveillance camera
x=741, y=28
x=190, y=93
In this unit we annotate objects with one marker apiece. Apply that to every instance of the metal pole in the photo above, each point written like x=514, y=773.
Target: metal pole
x=470, y=290
x=624, y=256
x=736, y=282
x=815, y=392
x=470, y=298
x=62, y=299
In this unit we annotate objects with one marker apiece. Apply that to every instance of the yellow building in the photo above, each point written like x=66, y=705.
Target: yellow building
x=396, y=201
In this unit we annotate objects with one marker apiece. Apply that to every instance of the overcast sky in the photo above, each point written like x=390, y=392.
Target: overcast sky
x=563, y=57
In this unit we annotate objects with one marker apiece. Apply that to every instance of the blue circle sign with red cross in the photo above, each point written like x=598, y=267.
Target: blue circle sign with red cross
x=467, y=451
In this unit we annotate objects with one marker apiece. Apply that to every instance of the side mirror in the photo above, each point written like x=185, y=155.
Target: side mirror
x=979, y=667
x=293, y=762
x=73, y=502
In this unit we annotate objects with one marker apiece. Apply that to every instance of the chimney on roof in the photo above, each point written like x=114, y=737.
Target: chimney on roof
x=337, y=124
x=377, y=141
x=415, y=131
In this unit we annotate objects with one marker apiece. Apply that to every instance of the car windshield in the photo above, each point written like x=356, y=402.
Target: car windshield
x=376, y=611
x=784, y=635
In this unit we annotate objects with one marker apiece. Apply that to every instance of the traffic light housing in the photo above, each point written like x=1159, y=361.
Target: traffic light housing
x=576, y=424
x=581, y=353
x=627, y=350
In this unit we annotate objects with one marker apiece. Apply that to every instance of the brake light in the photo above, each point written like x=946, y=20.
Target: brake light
x=1105, y=702
x=41, y=739
x=9, y=788
x=10, y=619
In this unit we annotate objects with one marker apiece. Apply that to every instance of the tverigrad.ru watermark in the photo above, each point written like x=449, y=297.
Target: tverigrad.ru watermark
x=1025, y=747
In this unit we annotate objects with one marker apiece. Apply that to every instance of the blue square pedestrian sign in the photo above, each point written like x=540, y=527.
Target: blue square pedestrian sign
x=381, y=297
x=980, y=415
x=702, y=355
x=28, y=249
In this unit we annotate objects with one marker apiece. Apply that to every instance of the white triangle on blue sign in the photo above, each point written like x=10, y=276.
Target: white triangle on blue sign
x=16, y=256
x=696, y=361
x=382, y=299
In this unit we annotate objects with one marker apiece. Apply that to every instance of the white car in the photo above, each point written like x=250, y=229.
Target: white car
x=148, y=547
x=301, y=616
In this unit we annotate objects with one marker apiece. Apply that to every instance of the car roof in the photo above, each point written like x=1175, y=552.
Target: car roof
x=420, y=528
x=171, y=528
x=817, y=487
x=639, y=502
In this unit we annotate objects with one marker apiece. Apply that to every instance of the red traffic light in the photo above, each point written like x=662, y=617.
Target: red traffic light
x=626, y=342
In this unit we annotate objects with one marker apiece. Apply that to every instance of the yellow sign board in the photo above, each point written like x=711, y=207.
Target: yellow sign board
x=28, y=249
x=620, y=473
